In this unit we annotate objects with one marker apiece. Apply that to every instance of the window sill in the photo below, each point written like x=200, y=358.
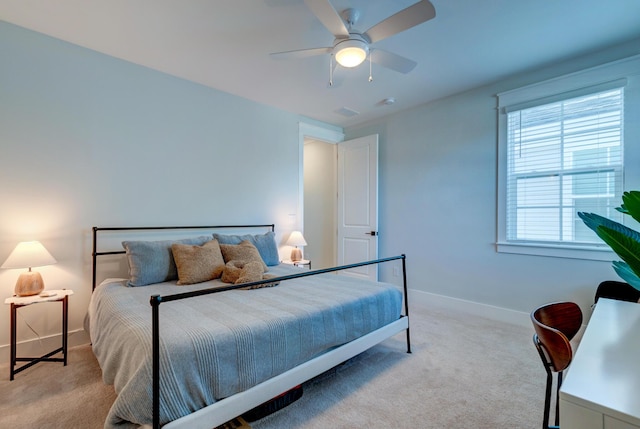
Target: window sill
x=594, y=253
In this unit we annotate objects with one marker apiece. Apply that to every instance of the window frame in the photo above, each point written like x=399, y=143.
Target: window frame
x=622, y=73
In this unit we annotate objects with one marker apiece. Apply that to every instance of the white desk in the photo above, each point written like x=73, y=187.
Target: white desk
x=602, y=387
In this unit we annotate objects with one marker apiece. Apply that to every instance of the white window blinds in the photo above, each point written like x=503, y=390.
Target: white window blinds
x=564, y=157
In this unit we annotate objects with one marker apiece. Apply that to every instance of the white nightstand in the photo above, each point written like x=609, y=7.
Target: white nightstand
x=22, y=301
x=300, y=263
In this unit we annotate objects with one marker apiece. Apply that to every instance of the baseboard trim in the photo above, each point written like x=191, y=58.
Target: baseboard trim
x=427, y=299
x=39, y=347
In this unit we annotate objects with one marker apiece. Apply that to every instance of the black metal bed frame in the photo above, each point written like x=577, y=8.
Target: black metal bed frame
x=156, y=300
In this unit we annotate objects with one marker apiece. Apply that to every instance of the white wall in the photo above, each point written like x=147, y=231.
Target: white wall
x=86, y=139
x=438, y=201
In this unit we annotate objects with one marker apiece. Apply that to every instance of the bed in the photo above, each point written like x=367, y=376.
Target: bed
x=198, y=355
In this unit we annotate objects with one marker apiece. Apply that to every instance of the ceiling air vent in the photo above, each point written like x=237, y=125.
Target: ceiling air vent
x=345, y=111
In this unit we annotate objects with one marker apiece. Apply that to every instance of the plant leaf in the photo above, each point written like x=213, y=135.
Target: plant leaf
x=631, y=204
x=624, y=271
x=593, y=221
x=624, y=241
x=628, y=248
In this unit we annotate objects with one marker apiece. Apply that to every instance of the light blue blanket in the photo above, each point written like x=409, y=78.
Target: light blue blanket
x=217, y=345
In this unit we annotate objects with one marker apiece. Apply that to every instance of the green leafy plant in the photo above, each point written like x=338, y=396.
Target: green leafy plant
x=624, y=241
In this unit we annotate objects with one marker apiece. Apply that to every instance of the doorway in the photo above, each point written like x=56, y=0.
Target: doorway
x=334, y=173
x=320, y=189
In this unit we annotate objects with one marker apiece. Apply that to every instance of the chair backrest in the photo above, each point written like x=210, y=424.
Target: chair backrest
x=555, y=325
x=617, y=290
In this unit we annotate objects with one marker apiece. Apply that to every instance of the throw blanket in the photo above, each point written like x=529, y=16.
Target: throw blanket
x=217, y=345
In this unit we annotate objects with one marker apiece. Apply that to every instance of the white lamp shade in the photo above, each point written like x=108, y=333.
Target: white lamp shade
x=296, y=239
x=28, y=254
x=351, y=53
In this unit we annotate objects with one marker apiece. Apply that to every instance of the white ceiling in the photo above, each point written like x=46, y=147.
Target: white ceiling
x=225, y=44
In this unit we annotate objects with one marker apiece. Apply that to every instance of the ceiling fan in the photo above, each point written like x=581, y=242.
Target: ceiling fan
x=350, y=48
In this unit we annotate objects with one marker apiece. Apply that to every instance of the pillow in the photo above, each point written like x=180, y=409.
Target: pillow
x=245, y=252
x=265, y=243
x=233, y=270
x=152, y=261
x=198, y=264
x=238, y=272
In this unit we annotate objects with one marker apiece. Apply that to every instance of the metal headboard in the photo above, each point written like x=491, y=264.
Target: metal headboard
x=96, y=230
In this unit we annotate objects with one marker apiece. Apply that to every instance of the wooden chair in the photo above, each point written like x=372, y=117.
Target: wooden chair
x=555, y=325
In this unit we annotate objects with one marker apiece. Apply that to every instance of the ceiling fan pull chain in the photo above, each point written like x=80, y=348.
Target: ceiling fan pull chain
x=370, y=76
x=330, y=70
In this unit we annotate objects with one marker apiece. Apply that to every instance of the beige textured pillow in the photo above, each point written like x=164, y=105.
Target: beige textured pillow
x=198, y=263
x=252, y=272
x=240, y=272
x=245, y=252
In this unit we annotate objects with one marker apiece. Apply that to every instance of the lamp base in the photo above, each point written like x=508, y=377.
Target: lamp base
x=29, y=283
x=296, y=254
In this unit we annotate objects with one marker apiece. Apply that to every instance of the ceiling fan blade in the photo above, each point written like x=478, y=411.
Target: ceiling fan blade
x=328, y=16
x=300, y=53
x=401, y=21
x=392, y=61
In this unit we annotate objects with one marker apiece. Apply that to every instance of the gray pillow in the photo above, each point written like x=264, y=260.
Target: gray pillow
x=265, y=243
x=152, y=261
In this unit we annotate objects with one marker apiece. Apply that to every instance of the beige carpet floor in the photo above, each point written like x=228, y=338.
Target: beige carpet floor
x=464, y=372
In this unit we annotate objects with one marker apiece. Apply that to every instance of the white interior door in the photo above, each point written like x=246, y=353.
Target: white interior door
x=358, y=205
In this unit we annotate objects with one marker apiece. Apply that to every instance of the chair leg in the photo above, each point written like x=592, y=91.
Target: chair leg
x=558, y=399
x=547, y=396
x=547, y=400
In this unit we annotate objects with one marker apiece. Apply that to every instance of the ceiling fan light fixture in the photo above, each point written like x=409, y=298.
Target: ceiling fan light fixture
x=351, y=52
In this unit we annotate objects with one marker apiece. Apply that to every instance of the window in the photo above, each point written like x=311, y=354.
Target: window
x=564, y=157
x=561, y=151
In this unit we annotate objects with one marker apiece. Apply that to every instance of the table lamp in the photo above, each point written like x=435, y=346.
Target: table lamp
x=28, y=254
x=297, y=240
